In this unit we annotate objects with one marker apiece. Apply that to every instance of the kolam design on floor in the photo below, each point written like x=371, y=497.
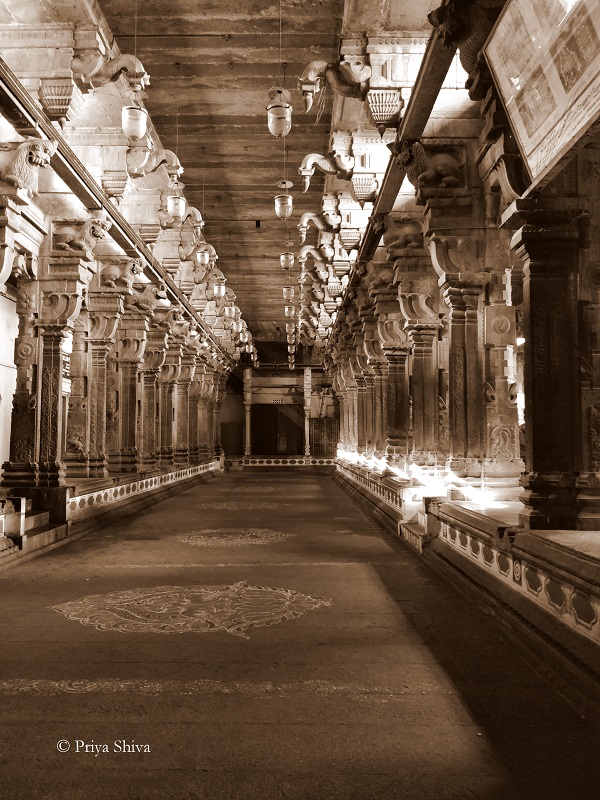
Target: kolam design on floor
x=232, y=537
x=191, y=609
x=243, y=506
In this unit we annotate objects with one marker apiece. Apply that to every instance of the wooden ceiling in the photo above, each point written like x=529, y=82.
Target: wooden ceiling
x=211, y=64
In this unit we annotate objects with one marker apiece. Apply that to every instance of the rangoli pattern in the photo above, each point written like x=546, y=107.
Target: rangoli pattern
x=191, y=609
x=243, y=506
x=231, y=537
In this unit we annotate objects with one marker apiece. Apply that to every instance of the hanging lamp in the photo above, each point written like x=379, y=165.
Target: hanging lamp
x=176, y=203
x=279, y=112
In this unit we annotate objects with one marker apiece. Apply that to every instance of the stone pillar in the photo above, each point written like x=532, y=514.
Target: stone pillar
x=424, y=395
x=105, y=309
x=379, y=410
x=465, y=378
x=21, y=469
x=167, y=381
x=217, y=406
x=307, y=401
x=131, y=344
x=548, y=246
x=248, y=411
x=78, y=425
x=154, y=358
x=184, y=382
x=52, y=405
x=397, y=406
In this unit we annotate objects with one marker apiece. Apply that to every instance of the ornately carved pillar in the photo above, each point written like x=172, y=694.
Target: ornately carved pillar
x=424, y=395
x=397, y=405
x=465, y=378
x=52, y=470
x=379, y=409
x=184, y=382
x=154, y=358
x=78, y=429
x=248, y=411
x=21, y=469
x=307, y=401
x=131, y=344
x=168, y=403
x=548, y=246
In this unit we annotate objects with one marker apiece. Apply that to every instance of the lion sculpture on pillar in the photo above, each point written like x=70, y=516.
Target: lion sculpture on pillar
x=29, y=156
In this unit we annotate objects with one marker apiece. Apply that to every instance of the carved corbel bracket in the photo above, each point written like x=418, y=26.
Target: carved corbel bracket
x=401, y=236
x=79, y=236
x=465, y=24
x=340, y=164
x=24, y=161
x=60, y=302
x=142, y=160
x=434, y=170
x=92, y=69
x=132, y=337
x=156, y=349
x=120, y=273
x=346, y=78
x=391, y=333
x=146, y=298
x=456, y=257
x=418, y=310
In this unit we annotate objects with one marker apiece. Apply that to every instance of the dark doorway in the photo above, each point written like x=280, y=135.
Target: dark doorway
x=277, y=430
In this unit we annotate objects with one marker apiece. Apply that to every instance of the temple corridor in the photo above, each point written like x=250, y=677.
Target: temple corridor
x=267, y=639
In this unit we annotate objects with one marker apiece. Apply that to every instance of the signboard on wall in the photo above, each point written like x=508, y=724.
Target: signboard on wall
x=544, y=56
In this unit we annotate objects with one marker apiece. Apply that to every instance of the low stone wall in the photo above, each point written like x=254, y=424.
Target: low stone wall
x=545, y=583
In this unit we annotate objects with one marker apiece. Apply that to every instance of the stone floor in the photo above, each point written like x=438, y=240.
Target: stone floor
x=265, y=639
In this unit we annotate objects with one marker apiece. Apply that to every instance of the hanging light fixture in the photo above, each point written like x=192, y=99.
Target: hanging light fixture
x=291, y=348
x=244, y=336
x=176, y=203
x=202, y=256
x=284, y=203
x=290, y=327
x=288, y=292
x=134, y=118
x=134, y=121
x=290, y=338
x=286, y=260
x=219, y=289
x=290, y=311
x=229, y=312
x=279, y=112
x=237, y=326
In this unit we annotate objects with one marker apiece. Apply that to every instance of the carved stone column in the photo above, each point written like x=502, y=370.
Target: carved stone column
x=397, y=405
x=131, y=344
x=168, y=402
x=78, y=427
x=424, y=395
x=379, y=410
x=307, y=401
x=395, y=348
x=548, y=246
x=248, y=411
x=21, y=469
x=465, y=378
x=154, y=358
x=105, y=309
x=184, y=382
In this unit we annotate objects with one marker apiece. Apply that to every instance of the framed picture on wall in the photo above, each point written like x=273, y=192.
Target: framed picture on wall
x=544, y=56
